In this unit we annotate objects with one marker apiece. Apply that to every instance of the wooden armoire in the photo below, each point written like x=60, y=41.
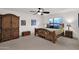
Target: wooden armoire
x=9, y=27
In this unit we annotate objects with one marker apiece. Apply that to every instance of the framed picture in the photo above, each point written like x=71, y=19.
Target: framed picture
x=23, y=22
x=33, y=22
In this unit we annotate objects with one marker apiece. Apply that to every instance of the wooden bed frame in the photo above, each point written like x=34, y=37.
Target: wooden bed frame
x=49, y=35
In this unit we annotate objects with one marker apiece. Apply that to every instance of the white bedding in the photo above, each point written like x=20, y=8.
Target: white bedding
x=57, y=31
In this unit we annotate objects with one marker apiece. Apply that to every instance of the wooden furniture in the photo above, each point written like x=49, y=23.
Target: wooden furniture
x=69, y=34
x=26, y=33
x=9, y=27
x=49, y=35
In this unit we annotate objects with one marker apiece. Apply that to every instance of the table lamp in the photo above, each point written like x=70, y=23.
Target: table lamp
x=68, y=25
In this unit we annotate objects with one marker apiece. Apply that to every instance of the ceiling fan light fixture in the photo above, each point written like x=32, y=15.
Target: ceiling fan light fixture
x=41, y=10
x=39, y=13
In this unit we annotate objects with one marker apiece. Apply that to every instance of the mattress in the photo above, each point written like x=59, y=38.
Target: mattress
x=57, y=31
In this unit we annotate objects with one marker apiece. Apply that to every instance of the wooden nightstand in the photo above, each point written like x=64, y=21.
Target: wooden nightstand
x=69, y=34
x=26, y=33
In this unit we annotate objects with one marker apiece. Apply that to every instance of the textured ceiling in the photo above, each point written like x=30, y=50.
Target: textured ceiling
x=51, y=10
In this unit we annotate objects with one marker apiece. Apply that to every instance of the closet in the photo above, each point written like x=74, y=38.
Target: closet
x=9, y=27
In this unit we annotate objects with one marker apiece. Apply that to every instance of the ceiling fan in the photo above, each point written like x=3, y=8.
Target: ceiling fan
x=40, y=11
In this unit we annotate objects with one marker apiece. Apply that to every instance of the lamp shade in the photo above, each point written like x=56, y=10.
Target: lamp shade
x=68, y=25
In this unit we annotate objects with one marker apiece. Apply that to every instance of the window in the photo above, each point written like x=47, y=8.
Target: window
x=58, y=20
x=55, y=23
x=50, y=20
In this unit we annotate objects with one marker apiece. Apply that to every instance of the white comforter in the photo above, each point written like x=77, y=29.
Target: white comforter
x=57, y=31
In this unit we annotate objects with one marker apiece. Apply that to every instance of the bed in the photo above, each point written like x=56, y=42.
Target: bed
x=49, y=33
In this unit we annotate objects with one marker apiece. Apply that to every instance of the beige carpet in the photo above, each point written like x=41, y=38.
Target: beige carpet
x=35, y=43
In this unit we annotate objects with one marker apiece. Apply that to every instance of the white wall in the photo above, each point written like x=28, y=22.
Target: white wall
x=69, y=17
x=43, y=20
x=27, y=17
x=28, y=26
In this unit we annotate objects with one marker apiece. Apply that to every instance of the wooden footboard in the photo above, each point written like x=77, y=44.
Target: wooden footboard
x=51, y=36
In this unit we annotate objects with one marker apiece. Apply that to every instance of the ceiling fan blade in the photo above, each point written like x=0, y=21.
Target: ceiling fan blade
x=32, y=11
x=35, y=13
x=46, y=12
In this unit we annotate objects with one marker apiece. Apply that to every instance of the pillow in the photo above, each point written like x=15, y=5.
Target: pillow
x=62, y=27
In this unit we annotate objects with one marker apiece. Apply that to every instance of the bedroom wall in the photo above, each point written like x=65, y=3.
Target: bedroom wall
x=27, y=17
x=28, y=26
x=45, y=19
x=69, y=17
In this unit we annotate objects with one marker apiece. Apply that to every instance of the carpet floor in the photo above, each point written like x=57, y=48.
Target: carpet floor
x=36, y=43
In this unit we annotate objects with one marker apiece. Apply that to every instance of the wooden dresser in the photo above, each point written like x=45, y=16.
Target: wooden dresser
x=9, y=27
